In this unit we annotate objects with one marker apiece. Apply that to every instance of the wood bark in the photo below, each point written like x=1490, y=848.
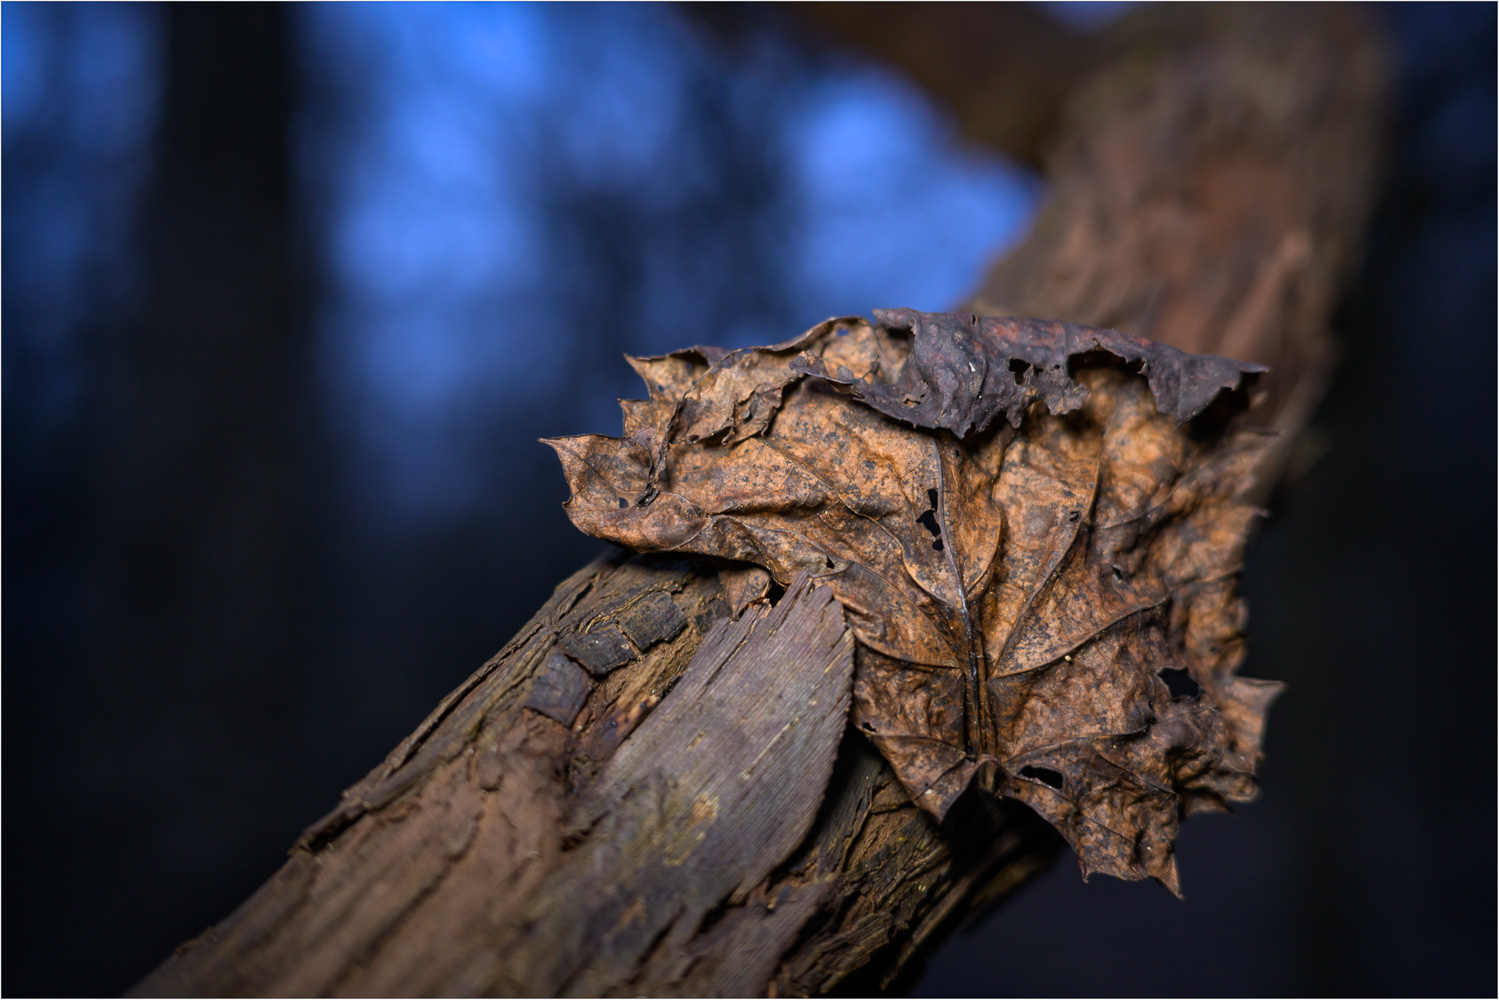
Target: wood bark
x=577, y=818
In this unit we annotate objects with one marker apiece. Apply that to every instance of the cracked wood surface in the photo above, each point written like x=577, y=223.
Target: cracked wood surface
x=547, y=859
x=1210, y=179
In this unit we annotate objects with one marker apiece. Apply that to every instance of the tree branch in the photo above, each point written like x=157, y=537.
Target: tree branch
x=547, y=831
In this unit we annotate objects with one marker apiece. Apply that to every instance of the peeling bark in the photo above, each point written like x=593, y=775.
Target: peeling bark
x=603, y=858
x=539, y=833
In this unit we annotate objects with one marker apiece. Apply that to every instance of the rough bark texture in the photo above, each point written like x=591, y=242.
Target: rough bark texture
x=1210, y=189
x=545, y=830
x=1212, y=168
x=449, y=870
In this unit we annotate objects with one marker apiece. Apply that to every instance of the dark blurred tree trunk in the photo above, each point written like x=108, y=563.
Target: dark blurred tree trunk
x=199, y=465
x=159, y=555
x=1211, y=177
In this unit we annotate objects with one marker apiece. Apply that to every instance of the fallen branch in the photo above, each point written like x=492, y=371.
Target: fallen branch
x=552, y=828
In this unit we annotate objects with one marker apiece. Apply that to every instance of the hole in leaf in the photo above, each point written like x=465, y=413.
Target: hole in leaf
x=1101, y=359
x=1180, y=683
x=622, y=504
x=1018, y=369
x=867, y=727
x=1118, y=575
x=929, y=520
x=1045, y=775
x=1073, y=516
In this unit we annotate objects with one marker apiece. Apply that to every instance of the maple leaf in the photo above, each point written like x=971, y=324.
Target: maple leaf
x=1046, y=604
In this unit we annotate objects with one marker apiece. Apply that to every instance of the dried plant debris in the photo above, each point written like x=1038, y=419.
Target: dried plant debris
x=1046, y=604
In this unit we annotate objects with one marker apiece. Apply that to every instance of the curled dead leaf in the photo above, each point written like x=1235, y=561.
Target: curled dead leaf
x=1046, y=604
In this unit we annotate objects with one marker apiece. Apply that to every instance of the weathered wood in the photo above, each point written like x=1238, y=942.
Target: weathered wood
x=536, y=858
x=438, y=848
x=1210, y=187
x=539, y=832
x=711, y=793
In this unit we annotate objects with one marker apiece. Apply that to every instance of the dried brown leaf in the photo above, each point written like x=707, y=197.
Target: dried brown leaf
x=1048, y=603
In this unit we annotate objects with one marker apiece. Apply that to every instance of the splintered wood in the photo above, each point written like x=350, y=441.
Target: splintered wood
x=1009, y=551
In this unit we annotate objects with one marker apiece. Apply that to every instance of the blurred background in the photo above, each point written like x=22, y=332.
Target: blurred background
x=289, y=292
